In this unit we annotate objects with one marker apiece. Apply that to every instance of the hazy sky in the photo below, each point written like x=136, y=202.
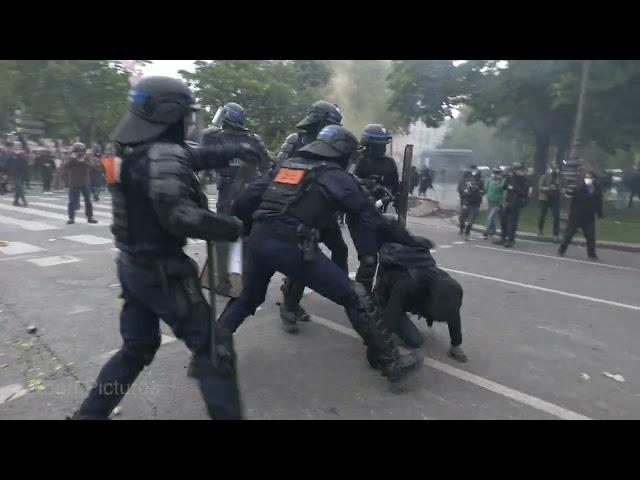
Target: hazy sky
x=168, y=68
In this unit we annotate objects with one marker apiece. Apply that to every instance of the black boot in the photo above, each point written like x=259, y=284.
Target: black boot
x=382, y=354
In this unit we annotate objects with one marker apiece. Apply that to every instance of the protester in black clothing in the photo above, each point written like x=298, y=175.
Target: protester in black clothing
x=415, y=179
x=586, y=203
x=515, y=197
x=18, y=166
x=472, y=192
x=409, y=281
x=466, y=176
x=47, y=167
x=426, y=182
x=549, y=198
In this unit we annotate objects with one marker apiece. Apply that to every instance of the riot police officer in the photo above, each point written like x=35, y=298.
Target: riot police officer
x=319, y=115
x=287, y=207
x=229, y=128
x=157, y=203
x=375, y=167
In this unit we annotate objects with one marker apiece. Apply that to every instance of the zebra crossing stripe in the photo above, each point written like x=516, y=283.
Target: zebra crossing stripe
x=20, y=248
x=41, y=213
x=53, y=261
x=89, y=239
x=27, y=224
x=62, y=207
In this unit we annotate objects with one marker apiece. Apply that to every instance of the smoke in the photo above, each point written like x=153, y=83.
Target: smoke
x=359, y=88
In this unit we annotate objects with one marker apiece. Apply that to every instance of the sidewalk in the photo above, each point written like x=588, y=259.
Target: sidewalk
x=619, y=246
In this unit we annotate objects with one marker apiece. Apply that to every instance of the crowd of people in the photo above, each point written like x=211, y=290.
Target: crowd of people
x=508, y=192
x=74, y=167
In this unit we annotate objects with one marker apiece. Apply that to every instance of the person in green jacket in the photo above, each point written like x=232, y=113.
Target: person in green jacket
x=493, y=190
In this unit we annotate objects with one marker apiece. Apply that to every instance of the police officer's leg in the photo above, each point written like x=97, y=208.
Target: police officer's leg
x=139, y=327
x=569, y=232
x=291, y=311
x=188, y=314
x=254, y=289
x=326, y=278
x=589, y=230
x=367, y=271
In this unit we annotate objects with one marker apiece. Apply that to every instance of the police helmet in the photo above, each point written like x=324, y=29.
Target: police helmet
x=155, y=103
x=375, y=133
x=333, y=141
x=321, y=113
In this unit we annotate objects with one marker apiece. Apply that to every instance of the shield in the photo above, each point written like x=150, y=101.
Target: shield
x=402, y=199
x=227, y=280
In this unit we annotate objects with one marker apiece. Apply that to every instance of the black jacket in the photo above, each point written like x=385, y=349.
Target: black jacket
x=585, y=204
x=384, y=167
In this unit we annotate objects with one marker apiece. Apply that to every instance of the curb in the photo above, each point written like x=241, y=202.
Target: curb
x=618, y=246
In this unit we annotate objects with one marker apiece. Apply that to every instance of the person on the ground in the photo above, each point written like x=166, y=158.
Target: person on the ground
x=549, y=199
x=586, y=204
x=409, y=281
x=472, y=193
x=78, y=170
x=493, y=190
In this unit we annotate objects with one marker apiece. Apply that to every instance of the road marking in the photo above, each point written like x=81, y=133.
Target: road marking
x=27, y=224
x=595, y=264
x=61, y=207
x=19, y=248
x=459, y=243
x=445, y=246
x=53, y=261
x=11, y=392
x=494, y=387
x=548, y=290
x=41, y=213
x=89, y=239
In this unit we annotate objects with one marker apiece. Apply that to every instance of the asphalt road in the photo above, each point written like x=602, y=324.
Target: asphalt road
x=540, y=331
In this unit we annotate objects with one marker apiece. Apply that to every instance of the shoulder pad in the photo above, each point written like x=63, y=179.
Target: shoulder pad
x=211, y=130
x=292, y=138
x=167, y=151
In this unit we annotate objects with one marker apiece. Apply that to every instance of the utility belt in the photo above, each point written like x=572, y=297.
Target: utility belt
x=305, y=237
x=176, y=275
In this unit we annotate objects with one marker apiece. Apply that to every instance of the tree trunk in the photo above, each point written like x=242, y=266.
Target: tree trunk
x=540, y=161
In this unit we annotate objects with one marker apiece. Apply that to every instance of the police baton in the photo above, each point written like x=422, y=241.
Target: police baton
x=212, y=300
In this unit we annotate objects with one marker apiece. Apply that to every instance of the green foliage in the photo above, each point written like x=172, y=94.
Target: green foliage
x=82, y=98
x=275, y=93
